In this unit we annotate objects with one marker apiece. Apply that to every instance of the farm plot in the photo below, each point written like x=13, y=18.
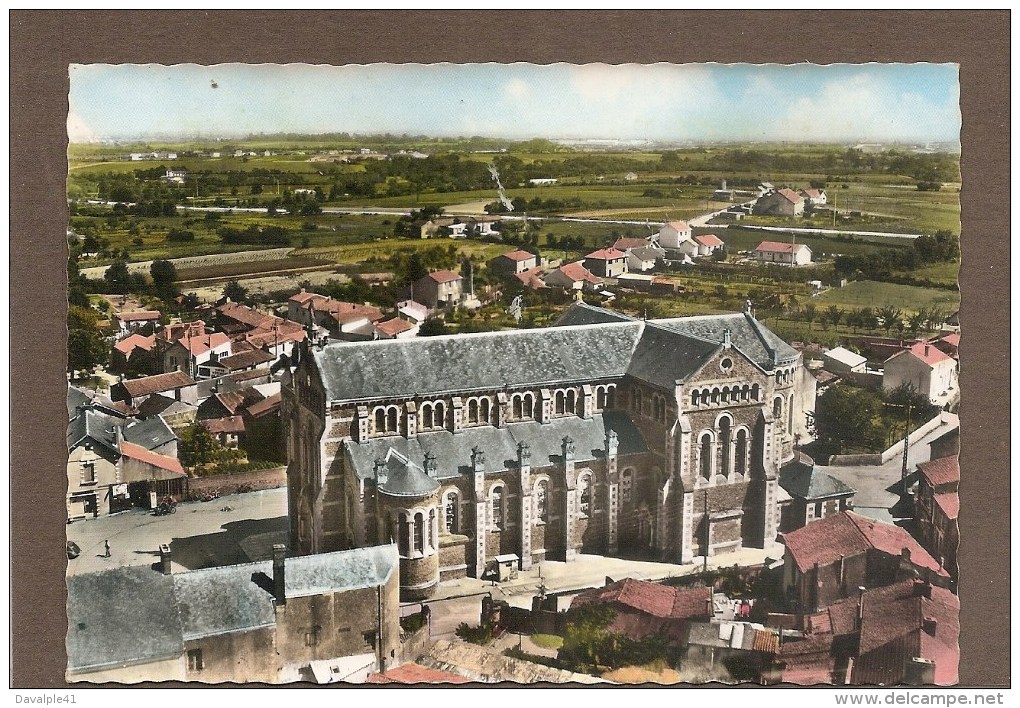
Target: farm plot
x=909, y=298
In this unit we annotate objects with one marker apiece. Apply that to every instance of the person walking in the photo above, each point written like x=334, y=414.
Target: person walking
x=106, y=544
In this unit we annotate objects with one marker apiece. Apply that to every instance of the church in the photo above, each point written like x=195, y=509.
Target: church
x=604, y=434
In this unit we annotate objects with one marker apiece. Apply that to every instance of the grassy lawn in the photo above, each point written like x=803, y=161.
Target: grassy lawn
x=547, y=641
x=738, y=239
x=356, y=253
x=910, y=298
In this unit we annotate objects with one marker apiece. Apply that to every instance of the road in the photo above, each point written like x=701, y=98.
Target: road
x=878, y=486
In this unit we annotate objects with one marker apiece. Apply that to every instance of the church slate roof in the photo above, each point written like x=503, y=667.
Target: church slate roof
x=663, y=357
x=584, y=314
x=472, y=362
x=404, y=478
x=453, y=450
x=220, y=600
x=746, y=334
x=340, y=571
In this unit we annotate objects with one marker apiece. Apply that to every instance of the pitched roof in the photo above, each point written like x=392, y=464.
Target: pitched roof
x=789, y=195
x=949, y=502
x=452, y=451
x=623, y=244
x=709, y=240
x=416, y=673
x=245, y=360
x=942, y=470
x=532, y=277
x=341, y=570
x=304, y=296
x=679, y=225
x=444, y=276
x=404, y=478
x=471, y=362
x=577, y=272
x=519, y=255
x=228, y=424
x=150, y=433
x=99, y=428
x=953, y=339
x=777, y=247
x=802, y=479
x=196, y=345
x=648, y=253
x=845, y=356
x=847, y=534
x=747, y=335
x=244, y=314
x=219, y=600
x=155, y=384
x=138, y=316
x=926, y=352
x=606, y=254
x=264, y=406
x=394, y=326
x=813, y=193
x=163, y=462
x=648, y=597
x=135, y=341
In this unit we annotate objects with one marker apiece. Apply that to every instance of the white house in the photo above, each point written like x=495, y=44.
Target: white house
x=791, y=254
x=673, y=234
x=815, y=197
x=930, y=371
x=843, y=361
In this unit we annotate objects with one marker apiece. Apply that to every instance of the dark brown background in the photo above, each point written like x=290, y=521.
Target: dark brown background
x=44, y=43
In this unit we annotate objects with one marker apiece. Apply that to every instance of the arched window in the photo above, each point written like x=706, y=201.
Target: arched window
x=584, y=492
x=473, y=411
x=777, y=409
x=528, y=404
x=627, y=485
x=755, y=390
x=706, y=456
x=452, y=509
x=403, y=534
x=496, y=502
x=600, y=398
x=745, y=392
x=432, y=528
x=571, y=401
x=439, y=416
x=724, y=433
x=380, y=420
x=426, y=416
x=391, y=420
x=725, y=394
x=789, y=414
x=541, y=501
x=611, y=397
x=518, y=407
x=715, y=395
x=741, y=453
x=419, y=533
x=560, y=402
x=635, y=400
x=695, y=398
x=485, y=411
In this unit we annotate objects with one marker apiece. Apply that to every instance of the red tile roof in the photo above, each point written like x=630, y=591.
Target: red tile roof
x=813, y=193
x=847, y=534
x=679, y=225
x=264, y=406
x=949, y=502
x=304, y=296
x=416, y=673
x=196, y=345
x=245, y=360
x=165, y=462
x=138, y=316
x=229, y=424
x=941, y=470
x=606, y=254
x=650, y=598
x=444, y=276
x=709, y=240
x=777, y=247
x=577, y=272
x=789, y=195
x=135, y=341
x=157, y=383
x=623, y=244
x=928, y=353
x=245, y=314
x=532, y=277
x=808, y=661
x=952, y=339
x=394, y=327
x=519, y=255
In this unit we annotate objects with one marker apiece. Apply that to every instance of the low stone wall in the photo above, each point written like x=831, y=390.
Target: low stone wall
x=224, y=484
x=415, y=645
x=880, y=458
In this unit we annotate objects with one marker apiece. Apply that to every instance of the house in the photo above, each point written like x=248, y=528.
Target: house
x=606, y=263
x=842, y=361
x=135, y=391
x=533, y=278
x=396, y=328
x=611, y=432
x=829, y=559
x=814, y=198
x=645, y=609
x=708, y=244
x=134, y=354
x=674, y=233
x=175, y=176
x=765, y=188
x=573, y=276
x=949, y=344
x=937, y=508
x=791, y=254
x=642, y=253
x=782, y=202
x=319, y=618
x=542, y=181
x=245, y=360
x=191, y=354
x=441, y=288
x=413, y=312
x=715, y=646
x=339, y=318
x=126, y=322
x=515, y=262
x=930, y=372
x=811, y=494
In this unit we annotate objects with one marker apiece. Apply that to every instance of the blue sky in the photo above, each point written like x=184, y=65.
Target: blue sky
x=663, y=102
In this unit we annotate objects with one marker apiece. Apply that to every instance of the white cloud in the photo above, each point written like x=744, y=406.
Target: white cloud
x=517, y=88
x=78, y=131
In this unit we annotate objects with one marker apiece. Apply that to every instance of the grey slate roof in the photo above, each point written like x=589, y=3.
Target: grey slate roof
x=801, y=479
x=473, y=362
x=747, y=335
x=649, y=253
x=581, y=313
x=121, y=616
x=150, y=433
x=453, y=450
x=76, y=397
x=97, y=428
x=404, y=478
x=341, y=571
x=663, y=357
x=220, y=600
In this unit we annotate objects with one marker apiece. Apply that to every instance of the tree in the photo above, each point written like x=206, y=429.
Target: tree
x=163, y=273
x=86, y=347
x=809, y=312
x=235, y=292
x=432, y=327
x=118, y=277
x=848, y=417
x=889, y=316
x=915, y=321
x=197, y=446
x=834, y=314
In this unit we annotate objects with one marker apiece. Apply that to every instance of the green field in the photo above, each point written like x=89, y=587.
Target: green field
x=738, y=239
x=906, y=297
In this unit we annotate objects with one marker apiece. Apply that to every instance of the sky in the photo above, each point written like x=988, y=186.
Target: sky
x=658, y=102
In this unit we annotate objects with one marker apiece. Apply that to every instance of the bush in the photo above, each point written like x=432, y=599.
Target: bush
x=412, y=623
x=482, y=634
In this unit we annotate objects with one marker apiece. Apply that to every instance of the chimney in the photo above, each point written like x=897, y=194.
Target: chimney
x=860, y=606
x=929, y=625
x=430, y=464
x=164, y=559
x=727, y=342
x=478, y=459
x=922, y=588
x=118, y=433
x=379, y=470
x=280, y=574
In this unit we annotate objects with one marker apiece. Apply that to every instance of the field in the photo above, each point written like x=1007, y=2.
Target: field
x=741, y=239
x=233, y=270
x=906, y=297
